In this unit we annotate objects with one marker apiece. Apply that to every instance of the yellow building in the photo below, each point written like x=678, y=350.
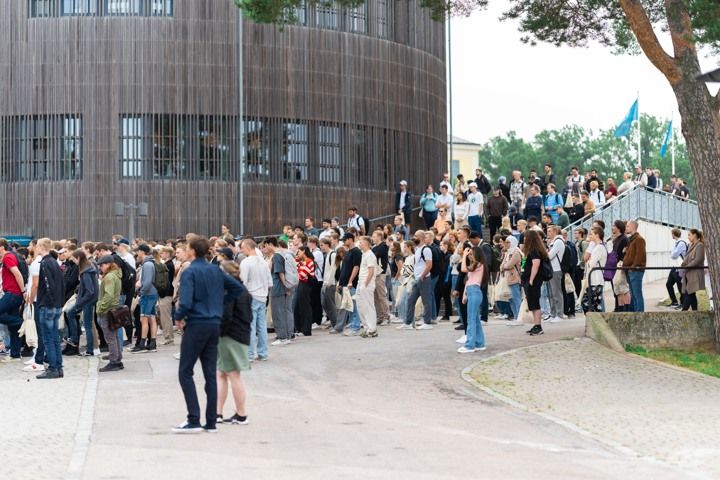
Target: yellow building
x=464, y=158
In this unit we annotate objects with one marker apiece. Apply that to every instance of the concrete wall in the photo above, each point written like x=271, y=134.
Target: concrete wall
x=674, y=330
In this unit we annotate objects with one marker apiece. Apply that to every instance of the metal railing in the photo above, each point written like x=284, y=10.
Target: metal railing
x=633, y=269
x=643, y=203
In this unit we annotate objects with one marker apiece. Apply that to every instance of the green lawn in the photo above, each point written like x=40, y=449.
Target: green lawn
x=703, y=362
x=703, y=301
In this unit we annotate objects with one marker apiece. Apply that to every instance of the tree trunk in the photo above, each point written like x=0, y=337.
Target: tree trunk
x=701, y=128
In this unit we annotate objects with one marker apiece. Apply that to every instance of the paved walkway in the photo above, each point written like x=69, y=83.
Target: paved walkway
x=657, y=411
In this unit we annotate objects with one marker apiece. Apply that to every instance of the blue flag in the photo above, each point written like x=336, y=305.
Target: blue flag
x=623, y=130
x=668, y=136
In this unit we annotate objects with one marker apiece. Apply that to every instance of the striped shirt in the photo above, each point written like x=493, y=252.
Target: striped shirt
x=306, y=270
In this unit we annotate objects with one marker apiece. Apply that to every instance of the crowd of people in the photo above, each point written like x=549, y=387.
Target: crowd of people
x=224, y=295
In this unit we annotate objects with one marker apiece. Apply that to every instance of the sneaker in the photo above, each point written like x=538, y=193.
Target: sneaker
x=170, y=341
x=278, y=342
x=536, y=330
x=504, y=316
x=372, y=334
x=112, y=367
x=425, y=326
x=460, y=327
x=152, y=346
x=465, y=350
x=262, y=359
x=314, y=326
x=395, y=319
x=673, y=305
x=210, y=429
x=96, y=352
x=333, y=331
x=219, y=420
x=461, y=340
x=186, y=427
x=237, y=420
x=176, y=356
x=10, y=359
x=139, y=348
x=406, y=326
x=49, y=375
x=555, y=320
x=481, y=349
x=514, y=323
x=533, y=328
x=546, y=316
x=34, y=367
x=29, y=362
x=352, y=333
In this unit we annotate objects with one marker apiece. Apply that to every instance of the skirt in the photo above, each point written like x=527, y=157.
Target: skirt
x=232, y=356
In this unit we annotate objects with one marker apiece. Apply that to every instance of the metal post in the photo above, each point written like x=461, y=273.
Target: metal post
x=131, y=217
x=450, y=92
x=241, y=118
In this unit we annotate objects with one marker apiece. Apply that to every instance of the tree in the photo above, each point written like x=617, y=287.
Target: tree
x=622, y=25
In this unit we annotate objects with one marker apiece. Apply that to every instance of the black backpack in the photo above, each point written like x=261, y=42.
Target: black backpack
x=366, y=224
x=23, y=267
x=128, y=277
x=496, y=259
x=546, y=270
x=437, y=260
x=570, y=258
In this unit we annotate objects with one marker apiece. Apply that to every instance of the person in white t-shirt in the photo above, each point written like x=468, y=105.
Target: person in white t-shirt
x=30, y=297
x=445, y=199
x=475, y=209
x=365, y=294
x=255, y=275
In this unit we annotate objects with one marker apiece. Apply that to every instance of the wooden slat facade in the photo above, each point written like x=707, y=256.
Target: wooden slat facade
x=385, y=98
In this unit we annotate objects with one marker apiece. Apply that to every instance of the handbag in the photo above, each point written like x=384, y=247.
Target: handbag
x=610, y=266
x=119, y=317
x=502, y=290
x=569, y=284
x=28, y=329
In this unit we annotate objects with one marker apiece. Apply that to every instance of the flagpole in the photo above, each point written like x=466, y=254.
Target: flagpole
x=639, y=145
x=672, y=141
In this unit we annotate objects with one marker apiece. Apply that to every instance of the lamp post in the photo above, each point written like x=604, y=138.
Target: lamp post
x=241, y=118
x=141, y=209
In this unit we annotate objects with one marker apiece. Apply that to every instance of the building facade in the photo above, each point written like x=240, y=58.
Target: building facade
x=464, y=158
x=137, y=101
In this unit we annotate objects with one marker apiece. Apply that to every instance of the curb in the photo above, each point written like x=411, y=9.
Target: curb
x=85, y=424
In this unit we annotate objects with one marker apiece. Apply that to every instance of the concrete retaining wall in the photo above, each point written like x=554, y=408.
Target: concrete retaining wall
x=674, y=330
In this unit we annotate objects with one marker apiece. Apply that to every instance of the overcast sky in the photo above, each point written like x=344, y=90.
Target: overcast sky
x=500, y=84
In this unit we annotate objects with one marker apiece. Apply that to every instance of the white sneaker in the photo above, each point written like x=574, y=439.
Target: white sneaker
x=97, y=352
x=546, y=316
x=555, y=320
x=481, y=349
x=465, y=350
x=514, y=323
x=395, y=319
x=185, y=428
x=278, y=342
x=504, y=316
x=498, y=315
x=425, y=326
x=29, y=362
x=314, y=326
x=34, y=367
x=461, y=340
x=176, y=356
x=405, y=326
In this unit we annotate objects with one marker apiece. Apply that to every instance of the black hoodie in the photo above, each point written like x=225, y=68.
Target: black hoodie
x=51, y=284
x=87, y=292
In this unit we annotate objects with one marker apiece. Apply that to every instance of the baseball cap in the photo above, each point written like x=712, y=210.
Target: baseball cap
x=225, y=252
x=472, y=184
x=105, y=259
x=348, y=236
x=403, y=182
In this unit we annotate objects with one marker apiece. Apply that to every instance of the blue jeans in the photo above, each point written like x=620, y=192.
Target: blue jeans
x=10, y=315
x=88, y=315
x=421, y=289
x=503, y=307
x=199, y=342
x=475, y=335
x=258, y=331
x=49, y=322
x=545, y=298
x=475, y=223
x=516, y=300
x=354, y=317
x=434, y=281
x=635, y=280
x=148, y=304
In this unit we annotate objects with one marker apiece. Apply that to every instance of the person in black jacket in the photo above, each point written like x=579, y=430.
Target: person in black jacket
x=403, y=203
x=87, y=296
x=71, y=274
x=50, y=300
x=233, y=349
x=443, y=289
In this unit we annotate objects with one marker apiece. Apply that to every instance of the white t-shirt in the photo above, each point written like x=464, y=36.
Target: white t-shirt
x=476, y=204
x=33, y=271
x=368, y=260
x=319, y=264
x=556, y=253
x=450, y=189
x=423, y=254
x=461, y=210
x=255, y=275
x=446, y=200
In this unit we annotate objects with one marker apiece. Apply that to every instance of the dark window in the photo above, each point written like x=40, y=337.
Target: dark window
x=295, y=152
x=300, y=14
x=122, y=7
x=357, y=19
x=44, y=147
x=329, y=154
x=79, y=7
x=145, y=8
x=41, y=8
x=327, y=16
x=257, y=149
x=188, y=147
x=381, y=18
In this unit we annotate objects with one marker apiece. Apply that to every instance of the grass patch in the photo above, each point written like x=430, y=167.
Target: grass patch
x=703, y=301
x=703, y=362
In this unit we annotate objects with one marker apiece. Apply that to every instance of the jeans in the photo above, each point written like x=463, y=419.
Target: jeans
x=516, y=300
x=475, y=223
x=434, y=281
x=328, y=304
x=421, y=289
x=402, y=301
x=354, y=315
x=475, y=335
x=278, y=308
x=258, y=331
x=200, y=341
x=635, y=280
x=88, y=315
x=484, y=304
x=49, y=322
x=545, y=297
x=10, y=315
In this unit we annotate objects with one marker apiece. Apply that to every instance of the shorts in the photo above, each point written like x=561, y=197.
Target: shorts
x=147, y=305
x=232, y=356
x=532, y=293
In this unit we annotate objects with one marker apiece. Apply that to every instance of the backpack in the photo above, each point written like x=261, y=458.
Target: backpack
x=546, y=270
x=127, y=281
x=610, y=265
x=23, y=267
x=496, y=259
x=437, y=260
x=366, y=224
x=291, y=274
x=162, y=277
x=570, y=258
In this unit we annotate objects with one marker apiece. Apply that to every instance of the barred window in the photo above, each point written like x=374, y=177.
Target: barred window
x=381, y=18
x=358, y=19
x=123, y=7
x=300, y=13
x=188, y=147
x=295, y=152
x=79, y=7
x=329, y=153
x=326, y=17
x=56, y=8
x=41, y=148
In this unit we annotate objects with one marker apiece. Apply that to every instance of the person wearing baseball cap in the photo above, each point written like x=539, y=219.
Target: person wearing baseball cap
x=148, y=301
x=403, y=203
